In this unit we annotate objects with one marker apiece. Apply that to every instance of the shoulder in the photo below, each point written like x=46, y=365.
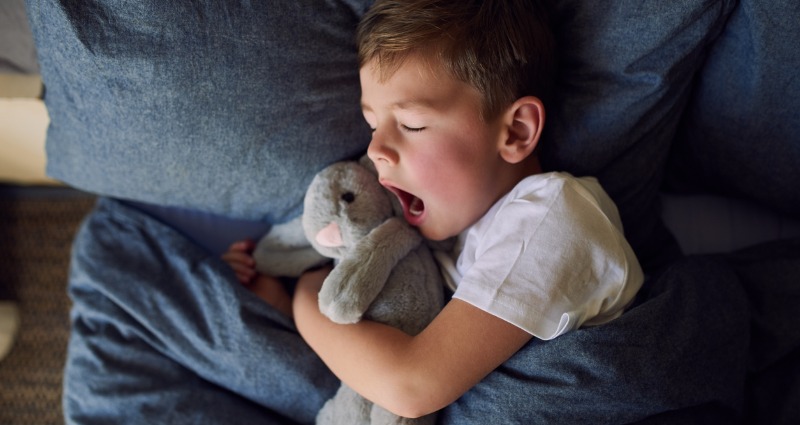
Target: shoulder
x=557, y=197
x=549, y=215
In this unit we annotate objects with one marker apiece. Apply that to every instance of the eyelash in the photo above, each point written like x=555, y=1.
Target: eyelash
x=405, y=128
x=412, y=130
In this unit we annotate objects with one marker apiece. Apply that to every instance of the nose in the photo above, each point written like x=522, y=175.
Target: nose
x=380, y=149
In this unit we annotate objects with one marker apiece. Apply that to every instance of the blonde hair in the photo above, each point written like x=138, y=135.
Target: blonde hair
x=503, y=48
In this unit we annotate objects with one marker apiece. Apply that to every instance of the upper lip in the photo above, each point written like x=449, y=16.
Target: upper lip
x=392, y=187
x=401, y=194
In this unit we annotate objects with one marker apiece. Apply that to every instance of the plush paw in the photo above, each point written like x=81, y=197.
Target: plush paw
x=346, y=294
x=338, y=310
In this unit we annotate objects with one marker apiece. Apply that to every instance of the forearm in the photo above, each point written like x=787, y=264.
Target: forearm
x=410, y=376
x=363, y=354
x=274, y=293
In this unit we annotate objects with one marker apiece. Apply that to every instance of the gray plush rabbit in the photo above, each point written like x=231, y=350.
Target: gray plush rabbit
x=384, y=269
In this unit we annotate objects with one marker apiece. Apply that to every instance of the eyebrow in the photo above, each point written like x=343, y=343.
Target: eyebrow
x=406, y=104
x=409, y=104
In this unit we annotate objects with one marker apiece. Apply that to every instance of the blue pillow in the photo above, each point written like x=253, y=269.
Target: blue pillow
x=741, y=133
x=626, y=73
x=227, y=107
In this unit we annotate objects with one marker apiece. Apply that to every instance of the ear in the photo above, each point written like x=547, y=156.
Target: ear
x=523, y=122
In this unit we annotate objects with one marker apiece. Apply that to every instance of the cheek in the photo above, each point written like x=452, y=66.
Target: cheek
x=448, y=165
x=428, y=160
x=447, y=184
x=448, y=152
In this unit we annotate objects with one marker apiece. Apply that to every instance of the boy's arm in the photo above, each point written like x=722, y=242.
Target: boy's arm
x=409, y=376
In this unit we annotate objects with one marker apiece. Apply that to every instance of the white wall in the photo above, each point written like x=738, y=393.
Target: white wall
x=23, y=125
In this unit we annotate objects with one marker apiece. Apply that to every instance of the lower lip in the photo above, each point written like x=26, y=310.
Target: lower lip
x=414, y=220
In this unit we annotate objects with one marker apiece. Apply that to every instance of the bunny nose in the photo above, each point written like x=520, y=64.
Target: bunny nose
x=330, y=236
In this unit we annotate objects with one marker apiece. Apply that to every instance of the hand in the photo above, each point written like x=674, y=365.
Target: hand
x=240, y=257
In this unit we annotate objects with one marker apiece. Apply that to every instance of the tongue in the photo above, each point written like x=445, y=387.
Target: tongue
x=416, y=207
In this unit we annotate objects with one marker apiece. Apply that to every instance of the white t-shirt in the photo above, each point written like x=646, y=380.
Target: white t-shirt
x=548, y=257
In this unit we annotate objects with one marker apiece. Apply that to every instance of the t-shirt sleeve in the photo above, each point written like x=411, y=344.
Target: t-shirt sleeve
x=550, y=265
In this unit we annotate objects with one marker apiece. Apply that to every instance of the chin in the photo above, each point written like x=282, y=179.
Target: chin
x=433, y=235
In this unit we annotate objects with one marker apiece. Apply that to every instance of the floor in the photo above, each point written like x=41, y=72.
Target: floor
x=37, y=225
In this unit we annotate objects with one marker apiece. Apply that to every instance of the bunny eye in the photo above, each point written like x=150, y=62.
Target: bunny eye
x=348, y=197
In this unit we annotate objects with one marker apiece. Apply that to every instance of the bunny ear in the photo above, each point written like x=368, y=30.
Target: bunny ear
x=359, y=277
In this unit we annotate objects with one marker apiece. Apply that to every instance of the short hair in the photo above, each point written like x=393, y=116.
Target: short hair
x=503, y=48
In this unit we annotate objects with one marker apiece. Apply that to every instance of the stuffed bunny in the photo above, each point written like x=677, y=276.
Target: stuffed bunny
x=384, y=269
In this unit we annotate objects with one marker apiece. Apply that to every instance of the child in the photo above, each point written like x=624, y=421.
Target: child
x=453, y=91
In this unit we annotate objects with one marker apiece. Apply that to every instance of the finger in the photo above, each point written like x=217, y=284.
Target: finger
x=239, y=258
x=243, y=269
x=242, y=246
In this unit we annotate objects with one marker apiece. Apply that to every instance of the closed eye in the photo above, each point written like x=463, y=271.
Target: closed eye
x=411, y=129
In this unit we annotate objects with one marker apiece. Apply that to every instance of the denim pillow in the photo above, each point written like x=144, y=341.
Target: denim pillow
x=626, y=75
x=228, y=107
x=741, y=133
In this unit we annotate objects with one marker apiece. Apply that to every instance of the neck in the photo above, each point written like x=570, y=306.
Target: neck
x=525, y=168
x=532, y=165
x=517, y=172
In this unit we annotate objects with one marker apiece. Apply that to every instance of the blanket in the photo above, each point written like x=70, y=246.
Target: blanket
x=163, y=333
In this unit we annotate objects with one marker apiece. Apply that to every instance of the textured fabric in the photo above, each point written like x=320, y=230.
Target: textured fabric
x=162, y=333
x=741, y=132
x=548, y=257
x=213, y=232
x=769, y=273
x=228, y=107
x=231, y=108
x=626, y=73
x=676, y=357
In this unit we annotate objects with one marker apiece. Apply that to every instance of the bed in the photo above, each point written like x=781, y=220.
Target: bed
x=199, y=123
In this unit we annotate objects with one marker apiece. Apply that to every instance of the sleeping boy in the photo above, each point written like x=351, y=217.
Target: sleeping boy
x=454, y=92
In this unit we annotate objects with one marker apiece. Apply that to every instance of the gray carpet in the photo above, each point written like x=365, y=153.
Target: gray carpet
x=37, y=226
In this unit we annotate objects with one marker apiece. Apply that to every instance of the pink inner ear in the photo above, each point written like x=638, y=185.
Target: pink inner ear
x=330, y=236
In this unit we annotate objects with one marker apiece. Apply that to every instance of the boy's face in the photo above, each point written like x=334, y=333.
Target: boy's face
x=431, y=147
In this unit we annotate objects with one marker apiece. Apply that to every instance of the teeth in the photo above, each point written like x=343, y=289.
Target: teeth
x=416, y=207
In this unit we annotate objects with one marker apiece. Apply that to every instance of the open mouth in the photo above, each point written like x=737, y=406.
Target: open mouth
x=413, y=207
